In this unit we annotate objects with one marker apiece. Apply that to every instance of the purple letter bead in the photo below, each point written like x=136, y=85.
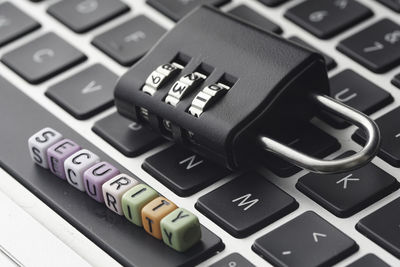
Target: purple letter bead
x=58, y=153
x=96, y=176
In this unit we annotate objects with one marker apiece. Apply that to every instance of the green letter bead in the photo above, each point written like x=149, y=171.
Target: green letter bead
x=180, y=229
x=134, y=200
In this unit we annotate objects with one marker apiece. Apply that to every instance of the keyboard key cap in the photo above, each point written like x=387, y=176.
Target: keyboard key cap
x=347, y=193
x=234, y=259
x=176, y=9
x=129, y=245
x=352, y=89
x=310, y=140
x=87, y=93
x=327, y=18
x=43, y=58
x=272, y=3
x=376, y=47
x=128, y=42
x=14, y=23
x=182, y=171
x=389, y=126
x=392, y=4
x=396, y=80
x=369, y=260
x=249, y=15
x=330, y=62
x=84, y=15
x=382, y=227
x=246, y=204
x=307, y=240
x=129, y=138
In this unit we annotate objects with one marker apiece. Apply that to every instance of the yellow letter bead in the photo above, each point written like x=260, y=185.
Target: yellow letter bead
x=134, y=200
x=153, y=213
x=180, y=229
x=113, y=190
x=40, y=142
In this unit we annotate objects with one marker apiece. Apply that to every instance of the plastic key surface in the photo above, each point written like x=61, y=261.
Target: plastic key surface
x=234, y=259
x=369, y=260
x=392, y=4
x=127, y=243
x=396, y=80
x=86, y=93
x=43, y=58
x=246, y=204
x=306, y=241
x=176, y=9
x=382, y=227
x=81, y=16
x=347, y=193
x=14, y=23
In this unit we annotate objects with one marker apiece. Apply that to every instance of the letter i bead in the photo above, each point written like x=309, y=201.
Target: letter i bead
x=113, y=190
x=152, y=214
x=40, y=142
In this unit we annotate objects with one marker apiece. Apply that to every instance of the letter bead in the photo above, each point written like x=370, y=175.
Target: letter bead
x=152, y=214
x=113, y=190
x=40, y=142
x=96, y=176
x=180, y=229
x=76, y=165
x=58, y=153
x=134, y=200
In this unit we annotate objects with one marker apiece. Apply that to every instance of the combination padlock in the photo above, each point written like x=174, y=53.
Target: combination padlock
x=214, y=83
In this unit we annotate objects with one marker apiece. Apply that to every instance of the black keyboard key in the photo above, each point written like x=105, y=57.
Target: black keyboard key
x=87, y=93
x=326, y=18
x=310, y=140
x=272, y=3
x=128, y=42
x=392, y=4
x=130, y=245
x=233, y=260
x=347, y=193
x=14, y=23
x=352, y=89
x=329, y=62
x=82, y=16
x=306, y=241
x=129, y=138
x=389, y=126
x=376, y=47
x=249, y=15
x=176, y=9
x=369, y=260
x=43, y=58
x=182, y=171
x=246, y=204
x=396, y=80
x=382, y=227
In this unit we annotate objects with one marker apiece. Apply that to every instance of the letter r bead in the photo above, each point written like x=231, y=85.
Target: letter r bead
x=114, y=189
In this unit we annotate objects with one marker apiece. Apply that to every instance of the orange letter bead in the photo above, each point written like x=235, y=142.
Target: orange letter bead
x=152, y=214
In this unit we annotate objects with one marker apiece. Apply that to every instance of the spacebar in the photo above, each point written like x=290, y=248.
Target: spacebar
x=130, y=245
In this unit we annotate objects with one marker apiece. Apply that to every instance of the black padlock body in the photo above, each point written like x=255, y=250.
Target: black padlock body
x=271, y=78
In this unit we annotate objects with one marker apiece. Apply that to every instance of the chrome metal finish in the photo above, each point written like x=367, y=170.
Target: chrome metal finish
x=338, y=165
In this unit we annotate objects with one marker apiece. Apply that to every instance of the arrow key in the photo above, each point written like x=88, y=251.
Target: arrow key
x=307, y=240
x=86, y=93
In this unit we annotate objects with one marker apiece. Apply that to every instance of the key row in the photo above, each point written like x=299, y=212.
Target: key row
x=139, y=203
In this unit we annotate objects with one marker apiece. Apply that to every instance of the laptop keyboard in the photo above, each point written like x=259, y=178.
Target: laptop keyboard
x=65, y=57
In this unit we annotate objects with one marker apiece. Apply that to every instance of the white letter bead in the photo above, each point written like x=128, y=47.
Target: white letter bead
x=113, y=190
x=40, y=142
x=76, y=164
